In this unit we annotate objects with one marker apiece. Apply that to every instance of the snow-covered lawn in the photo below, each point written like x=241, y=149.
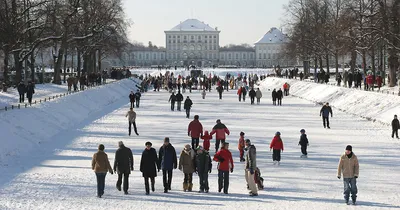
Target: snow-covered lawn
x=57, y=174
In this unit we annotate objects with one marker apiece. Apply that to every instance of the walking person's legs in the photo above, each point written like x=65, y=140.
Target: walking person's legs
x=135, y=128
x=226, y=181
x=126, y=182
x=220, y=180
x=130, y=128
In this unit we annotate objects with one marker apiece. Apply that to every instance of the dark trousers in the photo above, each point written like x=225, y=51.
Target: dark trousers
x=30, y=100
x=195, y=143
x=146, y=184
x=223, y=181
x=203, y=177
x=82, y=87
x=252, y=100
x=350, y=186
x=21, y=98
x=101, y=179
x=188, y=178
x=217, y=142
x=167, y=180
x=187, y=113
x=244, y=97
x=325, y=121
x=137, y=103
x=274, y=102
x=179, y=105
x=279, y=101
x=276, y=155
x=172, y=106
x=304, y=150
x=132, y=104
x=134, y=128
x=220, y=95
x=258, y=100
x=240, y=97
x=126, y=181
x=396, y=131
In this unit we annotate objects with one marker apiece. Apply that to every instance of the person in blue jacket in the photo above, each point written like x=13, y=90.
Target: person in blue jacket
x=168, y=161
x=325, y=111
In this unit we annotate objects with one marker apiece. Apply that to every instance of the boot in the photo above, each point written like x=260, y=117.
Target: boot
x=152, y=187
x=185, y=187
x=190, y=187
x=147, y=189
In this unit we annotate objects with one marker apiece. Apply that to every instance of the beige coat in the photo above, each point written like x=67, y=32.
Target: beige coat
x=131, y=116
x=186, y=162
x=348, y=166
x=100, y=163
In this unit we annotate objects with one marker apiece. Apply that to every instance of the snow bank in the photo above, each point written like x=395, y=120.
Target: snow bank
x=25, y=129
x=370, y=105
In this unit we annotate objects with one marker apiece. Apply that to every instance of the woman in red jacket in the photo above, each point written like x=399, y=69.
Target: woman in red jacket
x=225, y=164
x=277, y=147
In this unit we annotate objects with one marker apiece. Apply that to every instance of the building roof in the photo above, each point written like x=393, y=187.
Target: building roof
x=273, y=36
x=193, y=25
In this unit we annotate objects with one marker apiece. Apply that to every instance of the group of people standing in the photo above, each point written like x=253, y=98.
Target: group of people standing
x=23, y=89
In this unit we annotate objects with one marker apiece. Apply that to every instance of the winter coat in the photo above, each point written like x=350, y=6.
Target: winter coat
x=274, y=95
x=138, y=95
x=303, y=140
x=239, y=92
x=279, y=94
x=325, y=110
x=123, y=162
x=131, y=116
x=258, y=94
x=100, y=163
x=276, y=143
x=348, y=166
x=206, y=137
x=132, y=97
x=172, y=99
x=241, y=144
x=379, y=81
x=195, y=129
x=167, y=157
x=188, y=104
x=285, y=86
x=252, y=93
x=179, y=97
x=30, y=90
x=149, y=163
x=395, y=124
x=251, y=162
x=187, y=162
x=203, y=162
x=224, y=159
x=21, y=88
x=220, y=130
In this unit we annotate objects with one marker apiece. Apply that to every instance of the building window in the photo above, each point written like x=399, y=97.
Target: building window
x=259, y=56
x=191, y=47
x=244, y=56
x=179, y=37
x=179, y=41
x=229, y=56
x=206, y=36
x=173, y=41
x=154, y=56
x=140, y=56
x=199, y=37
x=170, y=56
x=269, y=55
x=169, y=41
x=162, y=56
x=184, y=47
x=199, y=47
x=192, y=37
x=184, y=37
x=147, y=56
x=237, y=56
x=251, y=56
x=215, y=37
x=205, y=47
x=169, y=36
x=173, y=37
x=265, y=55
x=205, y=41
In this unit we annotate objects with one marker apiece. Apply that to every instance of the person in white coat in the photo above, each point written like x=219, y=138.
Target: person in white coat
x=258, y=95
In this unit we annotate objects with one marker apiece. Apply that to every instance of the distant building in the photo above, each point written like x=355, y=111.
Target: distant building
x=238, y=56
x=269, y=49
x=192, y=42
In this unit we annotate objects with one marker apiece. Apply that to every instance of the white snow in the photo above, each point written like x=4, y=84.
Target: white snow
x=56, y=174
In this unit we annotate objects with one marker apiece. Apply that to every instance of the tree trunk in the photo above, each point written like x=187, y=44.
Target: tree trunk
x=65, y=67
x=353, y=61
x=99, y=60
x=337, y=62
x=321, y=64
x=327, y=64
x=32, y=66
x=364, y=60
x=18, y=69
x=393, y=61
x=5, y=73
x=78, y=58
x=57, y=68
x=373, y=61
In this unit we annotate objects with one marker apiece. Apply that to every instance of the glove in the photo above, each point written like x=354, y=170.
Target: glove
x=231, y=170
x=338, y=177
x=355, y=177
x=209, y=171
x=251, y=171
x=132, y=169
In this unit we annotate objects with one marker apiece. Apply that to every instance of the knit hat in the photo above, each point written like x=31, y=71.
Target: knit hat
x=349, y=147
x=242, y=133
x=277, y=133
x=302, y=131
x=218, y=121
x=187, y=147
x=248, y=141
x=148, y=144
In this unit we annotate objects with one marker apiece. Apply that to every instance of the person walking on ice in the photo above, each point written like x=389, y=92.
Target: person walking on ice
x=303, y=143
x=187, y=106
x=186, y=165
x=148, y=166
x=349, y=168
x=101, y=165
x=132, y=121
x=203, y=167
x=395, y=127
x=258, y=95
x=251, y=166
x=276, y=146
x=325, y=111
x=225, y=164
x=241, y=146
x=220, y=129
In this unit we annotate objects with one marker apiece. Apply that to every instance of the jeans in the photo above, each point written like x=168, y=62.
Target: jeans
x=134, y=128
x=396, y=131
x=101, y=179
x=137, y=103
x=350, y=186
x=223, y=181
x=146, y=184
x=203, y=178
x=179, y=105
x=187, y=113
x=126, y=181
x=132, y=104
x=325, y=121
x=220, y=95
x=217, y=142
x=167, y=180
x=172, y=106
x=276, y=155
x=195, y=143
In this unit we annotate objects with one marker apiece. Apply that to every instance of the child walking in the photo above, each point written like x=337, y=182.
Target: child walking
x=206, y=143
x=303, y=143
x=241, y=147
x=277, y=147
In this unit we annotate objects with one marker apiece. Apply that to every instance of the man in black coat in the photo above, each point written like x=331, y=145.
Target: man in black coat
x=137, y=98
x=149, y=166
x=172, y=99
x=220, y=89
x=30, y=90
x=252, y=95
x=187, y=106
x=279, y=96
x=132, y=99
x=244, y=92
x=123, y=164
x=274, y=96
x=395, y=127
x=21, y=90
x=168, y=161
x=179, y=99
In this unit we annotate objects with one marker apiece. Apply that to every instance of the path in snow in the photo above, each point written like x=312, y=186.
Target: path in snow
x=61, y=176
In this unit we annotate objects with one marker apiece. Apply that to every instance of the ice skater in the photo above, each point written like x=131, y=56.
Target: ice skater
x=132, y=121
x=349, y=167
x=303, y=143
x=277, y=147
x=325, y=111
x=395, y=127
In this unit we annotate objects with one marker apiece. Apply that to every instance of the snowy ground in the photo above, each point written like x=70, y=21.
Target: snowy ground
x=57, y=175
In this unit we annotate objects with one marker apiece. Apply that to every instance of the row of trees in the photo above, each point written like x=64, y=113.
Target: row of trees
x=92, y=29
x=324, y=29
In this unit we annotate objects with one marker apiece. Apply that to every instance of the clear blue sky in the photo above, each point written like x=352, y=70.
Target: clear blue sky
x=240, y=21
